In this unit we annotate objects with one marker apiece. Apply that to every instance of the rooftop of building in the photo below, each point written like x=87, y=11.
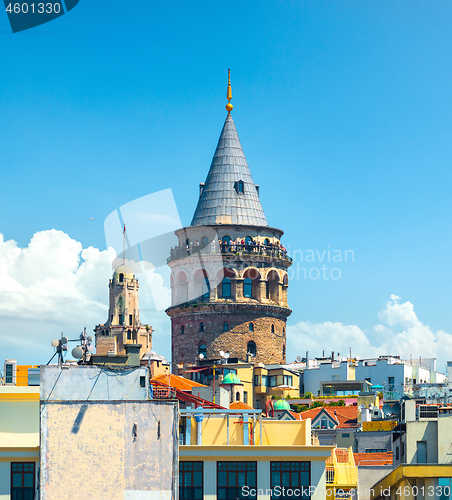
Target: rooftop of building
x=176, y=381
x=371, y=459
x=347, y=416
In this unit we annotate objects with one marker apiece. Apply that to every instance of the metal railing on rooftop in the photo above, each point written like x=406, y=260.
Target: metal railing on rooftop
x=272, y=251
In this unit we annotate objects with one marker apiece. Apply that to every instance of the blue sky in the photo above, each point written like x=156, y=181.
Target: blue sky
x=344, y=113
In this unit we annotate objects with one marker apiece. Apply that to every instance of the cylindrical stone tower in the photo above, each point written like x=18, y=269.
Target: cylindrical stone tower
x=229, y=272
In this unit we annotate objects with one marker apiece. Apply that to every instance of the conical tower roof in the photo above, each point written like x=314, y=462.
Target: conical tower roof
x=229, y=195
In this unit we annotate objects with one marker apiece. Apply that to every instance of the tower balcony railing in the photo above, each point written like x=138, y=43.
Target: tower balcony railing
x=251, y=249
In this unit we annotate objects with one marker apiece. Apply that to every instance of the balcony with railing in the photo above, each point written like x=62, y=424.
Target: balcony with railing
x=252, y=249
x=341, y=471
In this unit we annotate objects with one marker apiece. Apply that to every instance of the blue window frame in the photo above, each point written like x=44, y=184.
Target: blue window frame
x=233, y=476
x=247, y=288
x=226, y=287
x=290, y=475
x=190, y=480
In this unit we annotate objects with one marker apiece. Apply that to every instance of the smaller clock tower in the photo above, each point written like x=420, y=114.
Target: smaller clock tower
x=123, y=326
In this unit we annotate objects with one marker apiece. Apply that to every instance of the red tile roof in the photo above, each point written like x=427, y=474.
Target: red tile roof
x=346, y=415
x=181, y=383
x=295, y=415
x=239, y=405
x=373, y=458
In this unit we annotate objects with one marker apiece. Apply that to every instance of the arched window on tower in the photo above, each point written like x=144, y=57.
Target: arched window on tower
x=251, y=327
x=201, y=327
x=226, y=288
x=273, y=328
x=247, y=288
x=121, y=278
x=284, y=351
x=251, y=348
x=240, y=187
x=182, y=329
x=202, y=349
x=237, y=396
x=225, y=326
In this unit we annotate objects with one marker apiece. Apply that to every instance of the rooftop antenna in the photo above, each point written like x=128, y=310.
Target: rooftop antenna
x=61, y=346
x=124, y=246
x=78, y=351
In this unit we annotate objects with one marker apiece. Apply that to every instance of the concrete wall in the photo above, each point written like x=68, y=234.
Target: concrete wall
x=274, y=432
x=373, y=440
x=19, y=424
x=85, y=383
x=422, y=431
x=444, y=440
x=115, y=450
x=325, y=372
x=381, y=371
x=368, y=476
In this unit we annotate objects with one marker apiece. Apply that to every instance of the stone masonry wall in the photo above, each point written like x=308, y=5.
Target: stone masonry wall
x=270, y=347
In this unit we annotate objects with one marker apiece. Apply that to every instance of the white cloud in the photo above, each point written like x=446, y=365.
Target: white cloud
x=55, y=285
x=400, y=333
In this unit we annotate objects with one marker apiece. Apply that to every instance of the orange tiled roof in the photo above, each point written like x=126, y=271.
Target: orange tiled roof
x=239, y=405
x=346, y=415
x=176, y=381
x=373, y=458
x=295, y=415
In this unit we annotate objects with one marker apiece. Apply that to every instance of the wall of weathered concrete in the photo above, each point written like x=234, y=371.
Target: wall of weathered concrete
x=63, y=383
x=111, y=447
x=109, y=450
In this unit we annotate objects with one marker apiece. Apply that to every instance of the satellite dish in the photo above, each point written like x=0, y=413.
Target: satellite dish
x=226, y=355
x=387, y=410
x=395, y=408
x=55, y=343
x=77, y=352
x=90, y=338
x=91, y=348
x=222, y=354
x=361, y=407
x=298, y=359
x=63, y=340
x=261, y=365
x=201, y=356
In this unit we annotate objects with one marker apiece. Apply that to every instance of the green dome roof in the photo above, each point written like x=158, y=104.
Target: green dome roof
x=281, y=404
x=231, y=378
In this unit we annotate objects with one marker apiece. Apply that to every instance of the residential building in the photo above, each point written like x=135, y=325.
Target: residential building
x=238, y=454
x=394, y=376
x=19, y=432
x=413, y=482
x=102, y=437
x=334, y=425
x=258, y=383
x=371, y=468
x=423, y=434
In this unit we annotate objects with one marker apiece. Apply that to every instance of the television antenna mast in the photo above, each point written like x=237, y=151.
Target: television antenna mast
x=79, y=352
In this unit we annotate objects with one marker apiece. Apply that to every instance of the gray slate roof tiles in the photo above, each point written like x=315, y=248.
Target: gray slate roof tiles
x=220, y=201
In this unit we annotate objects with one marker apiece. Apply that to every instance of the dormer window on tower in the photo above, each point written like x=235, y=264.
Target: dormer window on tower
x=239, y=187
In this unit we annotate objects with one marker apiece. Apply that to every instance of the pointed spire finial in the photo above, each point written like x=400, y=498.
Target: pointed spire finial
x=229, y=106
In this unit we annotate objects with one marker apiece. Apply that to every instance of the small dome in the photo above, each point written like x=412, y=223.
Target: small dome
x=125, y=270
x=281, y=404
x=153, y=356
x=231, y=378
